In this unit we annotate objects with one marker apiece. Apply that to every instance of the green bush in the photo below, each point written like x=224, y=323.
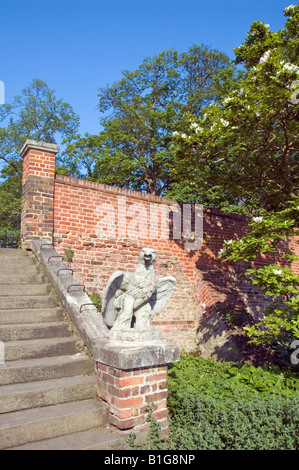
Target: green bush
x=201, y=422
x=232, y=407
x=96, y=299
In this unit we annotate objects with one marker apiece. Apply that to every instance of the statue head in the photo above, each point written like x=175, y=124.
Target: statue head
x=147, y=256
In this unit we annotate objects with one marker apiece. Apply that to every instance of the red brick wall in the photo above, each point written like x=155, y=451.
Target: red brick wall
x=106, y=227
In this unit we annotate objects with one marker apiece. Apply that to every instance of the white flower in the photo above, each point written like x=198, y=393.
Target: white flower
x=222, y=251
x=196, y=127
x=257, y=220
x=265, y=57
x=267, y=26
x=228, y=99
x=290, y=7
x=277, y=271
x=228, y=242
x=184, y=136
x=175, y=133
x=289, y=68
x=225, y=123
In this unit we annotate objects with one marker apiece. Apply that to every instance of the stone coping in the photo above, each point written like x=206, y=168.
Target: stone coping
x=89, y=322
x=40, y=146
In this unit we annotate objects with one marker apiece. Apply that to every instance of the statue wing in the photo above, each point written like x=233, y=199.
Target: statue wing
x=162, y=294
x=116, y=280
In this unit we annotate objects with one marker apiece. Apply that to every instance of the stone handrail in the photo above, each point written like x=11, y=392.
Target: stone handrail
x=89, y=322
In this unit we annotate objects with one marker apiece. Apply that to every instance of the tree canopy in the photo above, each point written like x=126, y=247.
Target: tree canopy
x=35, y=114
x=141, y=111
x=243, y=151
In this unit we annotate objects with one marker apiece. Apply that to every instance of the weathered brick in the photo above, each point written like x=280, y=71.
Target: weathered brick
x=129, y=381
x=127, y=402
x=156, y=396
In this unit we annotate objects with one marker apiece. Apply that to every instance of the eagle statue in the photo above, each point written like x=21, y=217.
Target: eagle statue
x=131, y=299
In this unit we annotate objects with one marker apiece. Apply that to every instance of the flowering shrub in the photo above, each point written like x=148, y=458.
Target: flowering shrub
x=281, y=318
x=244, y=148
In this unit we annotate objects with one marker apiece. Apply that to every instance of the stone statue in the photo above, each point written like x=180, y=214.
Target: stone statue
x=130, y=300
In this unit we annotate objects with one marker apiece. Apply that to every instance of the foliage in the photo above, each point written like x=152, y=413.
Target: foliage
x=229, y=380
x=140, y=113
x=268, y=234
x=96, y=300
x=69, y=255
x=154, y=439
x=10, y=210
x=203, y=423
x=227, y=406
x=35, y=114
x=244, y=150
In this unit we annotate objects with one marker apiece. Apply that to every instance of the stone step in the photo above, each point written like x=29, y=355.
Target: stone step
x=15, y=261
x=21, y=427
x=24, y=290
x=25, y=331
x=26, y=302
x=13, y=253
x=35, y=348
x=18, y=397
x=20, y=268
x=17, y=279
x=35, y=315
x=92, y=439
x=45, y=368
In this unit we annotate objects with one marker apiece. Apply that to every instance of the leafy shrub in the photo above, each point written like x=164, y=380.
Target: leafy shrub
x=201, y=422
x=96, y=299
x=229, y=406
x=69, y=255
x=229, y=379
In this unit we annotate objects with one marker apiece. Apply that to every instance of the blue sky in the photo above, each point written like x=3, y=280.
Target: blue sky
x=78, y=46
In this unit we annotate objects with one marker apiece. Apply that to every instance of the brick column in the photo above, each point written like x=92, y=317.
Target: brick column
x=132, y=377
x=37, y=219
x=129, y=392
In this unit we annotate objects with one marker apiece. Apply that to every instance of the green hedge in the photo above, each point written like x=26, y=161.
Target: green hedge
x=224, y=406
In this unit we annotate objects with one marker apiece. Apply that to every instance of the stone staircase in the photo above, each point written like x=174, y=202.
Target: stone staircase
x=47, y=383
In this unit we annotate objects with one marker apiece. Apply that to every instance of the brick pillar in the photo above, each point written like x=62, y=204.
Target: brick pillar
x=37, y=219
x=129, y=392
x=132, y=377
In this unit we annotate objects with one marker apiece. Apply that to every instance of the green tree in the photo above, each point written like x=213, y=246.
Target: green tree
x=35, y=114
x=270, y=235
x=244, y=149
x=141, y=111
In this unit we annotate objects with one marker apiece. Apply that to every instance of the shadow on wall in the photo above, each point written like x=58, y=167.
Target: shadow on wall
x=226, y=295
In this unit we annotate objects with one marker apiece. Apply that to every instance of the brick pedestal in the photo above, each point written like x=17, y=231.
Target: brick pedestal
x=130, y=392
x=132, y=377
x=38, y=191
